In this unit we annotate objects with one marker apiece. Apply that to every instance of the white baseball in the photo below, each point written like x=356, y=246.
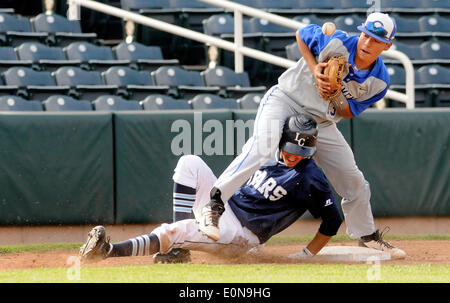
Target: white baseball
x=328, y=28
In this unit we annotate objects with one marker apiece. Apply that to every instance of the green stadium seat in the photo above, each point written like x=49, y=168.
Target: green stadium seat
x=93, y=56
x=8, y=59
x=160, y=10
x=412, y=51
x=141, y=56
x=435, y=4
x=250, y=101
x=164, y=102
x=37, y=85
x=435, y=50
x=132, y=84
x=433, y=74
x=406, y=24
x=182, y=83
x=43, y=56
x=314, y=4
x=220, y=24
x=395, y=4
x=66, y=103
x=193, y=12
x=309, y=19
x=258, y=25
x=434, y=80
x=84, y=84
x=349, y=23
x=115, y=103
x=61, y=30
x=434, y=23
x=232, y=84
x=397, y=74
x=270, y=5
x=209, y=101
x=16, y=103
x=15, y=30
x=350, y=4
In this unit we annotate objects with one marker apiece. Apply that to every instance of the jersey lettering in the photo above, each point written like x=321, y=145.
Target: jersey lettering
x=267, y=186
x=346, y=93
x=269, y=189
x=258, y=177
x=277, y=193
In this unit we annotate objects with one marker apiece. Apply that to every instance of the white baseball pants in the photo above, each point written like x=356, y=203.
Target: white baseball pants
x=235, y=239
x=333, y=155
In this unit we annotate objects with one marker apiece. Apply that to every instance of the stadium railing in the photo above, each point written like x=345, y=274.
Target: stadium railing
x=237, y=47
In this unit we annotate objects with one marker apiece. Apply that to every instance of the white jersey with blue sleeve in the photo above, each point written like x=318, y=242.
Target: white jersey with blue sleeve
x=360, y=88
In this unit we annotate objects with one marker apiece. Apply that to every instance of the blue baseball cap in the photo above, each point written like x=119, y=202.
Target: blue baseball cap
x=379, y=26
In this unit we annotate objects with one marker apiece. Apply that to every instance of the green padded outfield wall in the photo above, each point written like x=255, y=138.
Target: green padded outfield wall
x=405, y=156
x=56, y=168
x=145, y=157
x=88, y=168
x=148, y=146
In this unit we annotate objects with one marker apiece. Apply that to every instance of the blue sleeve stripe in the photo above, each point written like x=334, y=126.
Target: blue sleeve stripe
x=184, y=196
x=261, y=108
x=183, y=209
x=183, y=203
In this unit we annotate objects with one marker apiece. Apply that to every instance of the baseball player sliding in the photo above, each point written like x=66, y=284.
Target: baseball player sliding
x=274, y=197
x=304, y=87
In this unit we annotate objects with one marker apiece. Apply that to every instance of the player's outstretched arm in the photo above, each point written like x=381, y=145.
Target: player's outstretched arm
x=316, y=244
x=313, y=247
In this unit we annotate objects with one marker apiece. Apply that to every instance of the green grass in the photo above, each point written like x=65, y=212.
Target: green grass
x=8, y=249
x=197, y=273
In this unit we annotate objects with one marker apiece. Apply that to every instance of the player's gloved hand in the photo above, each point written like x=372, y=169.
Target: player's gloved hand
x=304, y=254
x=335, y=69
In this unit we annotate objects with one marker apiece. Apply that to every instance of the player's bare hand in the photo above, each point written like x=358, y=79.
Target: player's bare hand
x=322, y=81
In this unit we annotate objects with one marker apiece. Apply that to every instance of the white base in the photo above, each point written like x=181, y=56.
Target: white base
x=351, y=254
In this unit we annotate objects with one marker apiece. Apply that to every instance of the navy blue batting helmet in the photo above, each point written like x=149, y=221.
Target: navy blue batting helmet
x=299, y=135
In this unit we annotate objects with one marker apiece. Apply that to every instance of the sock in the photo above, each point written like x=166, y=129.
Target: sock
x=144, y=245
x=183, y=201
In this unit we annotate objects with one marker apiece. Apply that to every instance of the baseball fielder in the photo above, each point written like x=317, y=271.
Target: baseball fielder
x=274, y=197
x=365, y=81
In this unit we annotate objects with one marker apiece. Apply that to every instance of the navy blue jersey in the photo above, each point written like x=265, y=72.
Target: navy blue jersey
x=276, y=196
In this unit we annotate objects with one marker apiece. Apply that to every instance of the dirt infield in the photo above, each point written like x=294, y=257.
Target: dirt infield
x=418, y=252
x=12, y=235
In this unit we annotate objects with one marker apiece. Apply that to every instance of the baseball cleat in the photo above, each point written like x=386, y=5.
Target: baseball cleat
x=376, y=241
x=209, y=221
x=176, y=255
x=97, y=245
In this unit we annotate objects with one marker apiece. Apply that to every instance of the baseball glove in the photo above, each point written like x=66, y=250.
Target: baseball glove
x=335, y=71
